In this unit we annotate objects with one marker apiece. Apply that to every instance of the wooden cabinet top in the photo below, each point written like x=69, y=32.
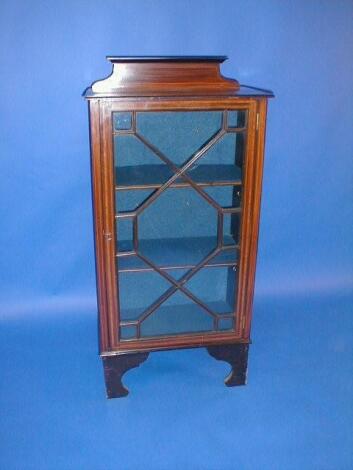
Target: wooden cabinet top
x=138, y=76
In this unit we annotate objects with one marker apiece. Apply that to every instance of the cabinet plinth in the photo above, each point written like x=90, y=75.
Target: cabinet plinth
x=177, y=156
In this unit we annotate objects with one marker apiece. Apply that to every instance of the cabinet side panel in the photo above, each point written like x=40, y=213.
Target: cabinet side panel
x=97, y=193
x=255, y=213
x=246, y=224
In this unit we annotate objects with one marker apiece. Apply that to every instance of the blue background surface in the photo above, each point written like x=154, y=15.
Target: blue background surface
x=296, y=411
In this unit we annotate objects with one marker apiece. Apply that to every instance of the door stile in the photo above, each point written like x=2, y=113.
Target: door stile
x=109, y=229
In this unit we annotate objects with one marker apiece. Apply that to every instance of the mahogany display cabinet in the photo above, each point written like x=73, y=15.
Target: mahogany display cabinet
x=177, y=158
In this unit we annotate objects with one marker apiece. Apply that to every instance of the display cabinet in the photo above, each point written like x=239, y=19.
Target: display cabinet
x=177, y=157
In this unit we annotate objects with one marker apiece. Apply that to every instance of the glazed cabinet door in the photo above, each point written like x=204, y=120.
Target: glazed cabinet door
x=176, y=207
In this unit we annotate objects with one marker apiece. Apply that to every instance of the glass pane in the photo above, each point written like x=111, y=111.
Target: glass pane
x=213, y=291
x=179, y=134
x=236, y=119
x=122, y=121
x=138, y=291
x=164, y=233
x=222, y=162
x=130, y=263
x=177, y=315
x=179, y=227
x=225, y=257
x=124, y=233
x=226, y=324
x=215, y=287
x=136, y=164
x=231, y=229
x=128, y=332
x=225, y=196
x=128, y=200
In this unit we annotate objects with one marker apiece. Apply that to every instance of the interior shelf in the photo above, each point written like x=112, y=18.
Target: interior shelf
x=176, y=253
x=153, y=176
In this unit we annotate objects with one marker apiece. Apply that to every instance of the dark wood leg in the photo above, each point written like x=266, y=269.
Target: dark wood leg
x=237, y=356
x=115, y=367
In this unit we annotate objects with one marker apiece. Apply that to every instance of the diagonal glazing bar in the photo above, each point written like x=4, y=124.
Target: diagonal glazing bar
x=187, y=276
x=180, y=171
x=165, y=296
x=169, y=292
x=177, y=285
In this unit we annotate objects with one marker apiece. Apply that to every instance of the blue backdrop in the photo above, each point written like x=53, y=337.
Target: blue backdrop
x=296, y=411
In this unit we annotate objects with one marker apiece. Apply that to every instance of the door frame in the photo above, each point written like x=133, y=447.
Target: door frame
x=102, y=154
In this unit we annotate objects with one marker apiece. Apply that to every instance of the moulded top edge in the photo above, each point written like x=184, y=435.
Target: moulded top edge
x=168, y=58
x=243, y=92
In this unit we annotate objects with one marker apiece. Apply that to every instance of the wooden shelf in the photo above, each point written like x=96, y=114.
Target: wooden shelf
x=154, y=176
x=177, y=253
